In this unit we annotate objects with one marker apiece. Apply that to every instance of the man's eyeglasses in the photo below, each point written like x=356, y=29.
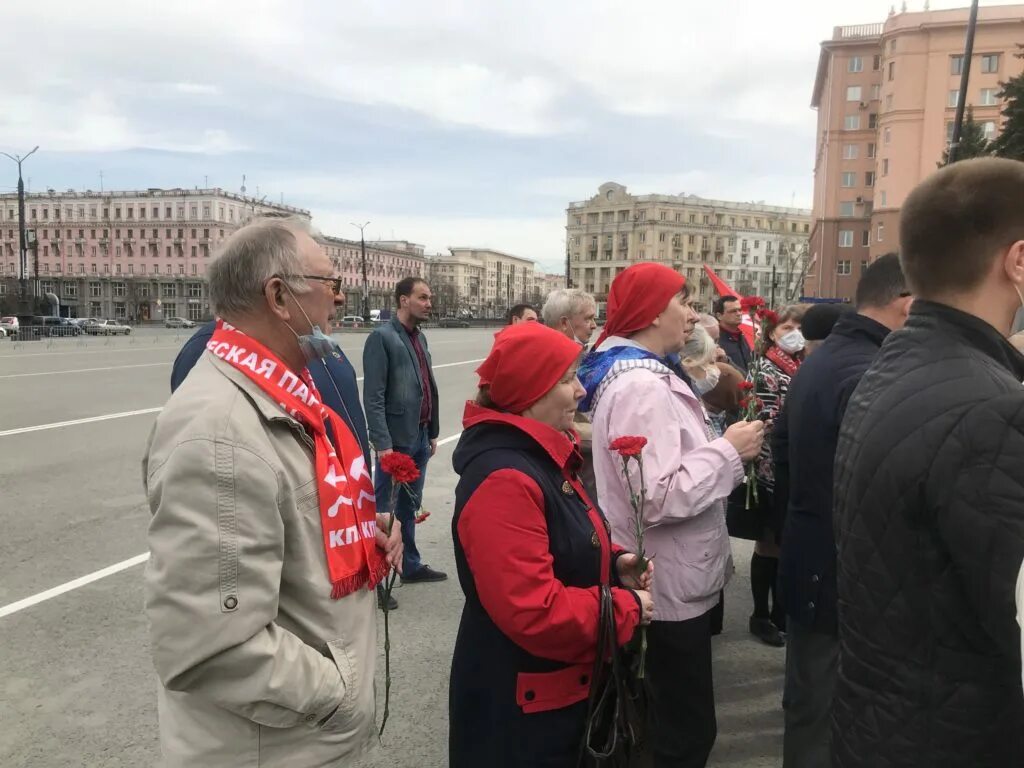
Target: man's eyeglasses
x=336, y=282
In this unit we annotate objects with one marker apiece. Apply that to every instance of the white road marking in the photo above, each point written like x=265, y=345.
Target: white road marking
x=81, y=370
x=67, y=586
x=143, y=411
x=76, y=422
x=102, y=573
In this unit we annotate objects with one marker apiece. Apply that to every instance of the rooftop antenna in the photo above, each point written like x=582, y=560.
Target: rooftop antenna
x=243, y=185
x=101, y=182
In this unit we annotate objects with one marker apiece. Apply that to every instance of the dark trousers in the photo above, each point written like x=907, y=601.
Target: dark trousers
x=682, y=694
x=812, y=664
x=406, y=505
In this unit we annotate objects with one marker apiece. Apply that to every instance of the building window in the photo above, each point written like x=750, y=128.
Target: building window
x=990, y=63
x=871, y=150
x=869, y=179
x=881, y=231
x=846, y=238
x=843, y=267
x=988, y=128
x=167, y=289
x=118, y=290
x=855, y=64
x=876, y=92
x=849, y=179
x=872, y=121
x=888, y=102
x=195, y=312
x=885, y=166
x=846, y=208
x=988, y=97
x=892, y=70
x=865, y=238
x=853, y=93
x=851, y=123
x=876, y=62
x=956, y=65
x=850, y=151
x=882, y=200
x=886, y=135
x=953, y=98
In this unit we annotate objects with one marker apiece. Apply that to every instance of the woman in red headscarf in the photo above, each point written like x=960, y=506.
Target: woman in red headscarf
x=535, y=562
x=634, y=389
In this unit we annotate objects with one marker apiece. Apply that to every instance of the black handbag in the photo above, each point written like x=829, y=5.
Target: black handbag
x=617, y=706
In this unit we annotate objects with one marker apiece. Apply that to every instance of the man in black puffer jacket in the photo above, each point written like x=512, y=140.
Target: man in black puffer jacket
x=929, y=495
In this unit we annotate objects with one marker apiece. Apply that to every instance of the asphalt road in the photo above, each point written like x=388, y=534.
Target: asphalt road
x=76, y=683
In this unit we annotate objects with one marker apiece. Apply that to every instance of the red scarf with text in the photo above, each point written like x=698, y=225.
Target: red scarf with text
x=348, y=510
x=784, y=362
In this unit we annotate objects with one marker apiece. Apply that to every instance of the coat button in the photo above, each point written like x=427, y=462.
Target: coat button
x=811, y=605
x=584, y=679
x=230, y=602
x=815, y=578
x=594, y=541
x=310, y=718
x=567, y=488
x=529, y=695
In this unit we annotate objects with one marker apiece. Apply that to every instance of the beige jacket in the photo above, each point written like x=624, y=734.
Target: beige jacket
x=257, y=665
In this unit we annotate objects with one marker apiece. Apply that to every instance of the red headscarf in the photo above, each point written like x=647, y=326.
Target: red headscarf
x=639, y=294
x=526, y=361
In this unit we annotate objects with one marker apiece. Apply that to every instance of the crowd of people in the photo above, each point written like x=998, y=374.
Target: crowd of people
x=872, y=452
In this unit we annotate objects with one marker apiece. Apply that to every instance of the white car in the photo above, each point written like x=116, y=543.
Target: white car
x=107, y=328
x=178, y=322
x=9, y=325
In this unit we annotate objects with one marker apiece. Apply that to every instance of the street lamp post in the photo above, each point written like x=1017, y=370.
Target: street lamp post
x=22, y=240
x=366, y=293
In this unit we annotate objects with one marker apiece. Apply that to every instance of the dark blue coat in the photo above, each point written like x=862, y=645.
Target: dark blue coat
x=814, y=410
x=334, y=377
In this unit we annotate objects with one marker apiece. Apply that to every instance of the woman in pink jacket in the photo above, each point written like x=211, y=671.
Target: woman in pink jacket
x=633, y=390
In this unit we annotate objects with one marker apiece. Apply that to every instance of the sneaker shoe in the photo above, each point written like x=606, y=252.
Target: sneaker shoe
x=392, y=603
x=766, y=632
x=424, y=574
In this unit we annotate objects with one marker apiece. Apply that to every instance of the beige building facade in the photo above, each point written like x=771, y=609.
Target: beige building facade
x=741, y=242
x=482, y=281
x=886, y=96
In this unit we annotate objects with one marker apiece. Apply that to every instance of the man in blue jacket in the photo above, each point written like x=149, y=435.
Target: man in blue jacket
x=400, y=396
x=807, y=564
x=334, y=376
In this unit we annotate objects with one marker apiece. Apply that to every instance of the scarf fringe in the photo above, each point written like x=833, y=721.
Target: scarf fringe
x=356, y=581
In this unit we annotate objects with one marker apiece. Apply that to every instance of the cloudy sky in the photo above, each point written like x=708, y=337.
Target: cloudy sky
x=467, y=122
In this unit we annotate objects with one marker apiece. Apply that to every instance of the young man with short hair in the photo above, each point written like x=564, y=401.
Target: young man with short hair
x=731, y=339
x=400, y=399
x=929, y=494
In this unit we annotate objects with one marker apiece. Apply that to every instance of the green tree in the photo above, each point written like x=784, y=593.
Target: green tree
x=972, y=141
x=1010, y=143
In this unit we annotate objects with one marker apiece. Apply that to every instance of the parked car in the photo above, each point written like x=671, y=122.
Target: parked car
x=352, y=321
x=107, y=328
x=453, y=322
x=56, y=326
x=178, y=322
x=10, y=325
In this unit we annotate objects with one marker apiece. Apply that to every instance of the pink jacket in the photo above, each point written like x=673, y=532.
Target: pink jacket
x=688, y=477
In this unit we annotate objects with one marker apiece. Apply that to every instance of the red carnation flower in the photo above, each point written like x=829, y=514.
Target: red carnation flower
x=628, y=445
x=768, y=316
x=402, y=468
x=750, y=304
x=746, y=386
x=421, y=516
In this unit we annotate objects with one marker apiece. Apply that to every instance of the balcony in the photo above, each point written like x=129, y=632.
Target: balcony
x=857, y=30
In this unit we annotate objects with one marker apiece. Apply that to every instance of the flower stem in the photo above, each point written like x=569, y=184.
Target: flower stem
x=642, y=666
x=390, y=583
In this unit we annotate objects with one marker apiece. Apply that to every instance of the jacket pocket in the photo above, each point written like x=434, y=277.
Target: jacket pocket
x=546, y=691
x=342, y=716
x=704, y=560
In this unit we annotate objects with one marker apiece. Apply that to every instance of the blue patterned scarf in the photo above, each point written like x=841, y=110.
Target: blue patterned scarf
x=596, y=365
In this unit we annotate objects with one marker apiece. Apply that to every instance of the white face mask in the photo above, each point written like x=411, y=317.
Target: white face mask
x=710, y=380
x=792, y=342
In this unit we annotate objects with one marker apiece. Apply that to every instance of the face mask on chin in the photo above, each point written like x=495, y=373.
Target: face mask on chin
x=314, y=345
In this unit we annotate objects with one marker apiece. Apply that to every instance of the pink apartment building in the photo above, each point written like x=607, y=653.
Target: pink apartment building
x=886, y=95
x=142, y=255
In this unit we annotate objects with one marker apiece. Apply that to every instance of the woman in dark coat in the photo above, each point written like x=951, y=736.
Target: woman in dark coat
x=532, y=552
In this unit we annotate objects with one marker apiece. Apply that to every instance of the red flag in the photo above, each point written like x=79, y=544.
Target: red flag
x=722, y=289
